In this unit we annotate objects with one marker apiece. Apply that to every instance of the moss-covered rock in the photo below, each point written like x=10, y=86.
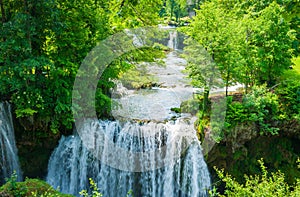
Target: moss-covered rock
x=30, y=187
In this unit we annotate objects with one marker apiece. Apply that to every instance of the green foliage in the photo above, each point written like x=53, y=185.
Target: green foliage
x=265, y=185
x=94, y=188
x=236, y=113
x=290, y=14
x=95, y=191
x=272, y=39
x=30, y=187
x=176, y=8
x=130, y=193
x=45, y=194
x=176, y=109
x=131, y=14
x=217, y=30
x=134, y=79
x=288, y=91
x=44, y=43
x=263, y=107
x=160, y=47
x=190, y=106
x=136, y=74
x=40, y=53
x=249, y=46
x=13, y=187
x=296, y=66
x=259, y=106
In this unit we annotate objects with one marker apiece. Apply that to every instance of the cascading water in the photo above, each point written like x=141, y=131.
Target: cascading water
x=146, y=151
x=9, y=158
x=173, y=41
x=173, y=167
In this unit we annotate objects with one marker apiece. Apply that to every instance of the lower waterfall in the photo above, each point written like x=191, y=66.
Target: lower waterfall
x=148, y=159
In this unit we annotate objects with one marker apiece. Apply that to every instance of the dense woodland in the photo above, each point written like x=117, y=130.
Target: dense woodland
x=253, y=43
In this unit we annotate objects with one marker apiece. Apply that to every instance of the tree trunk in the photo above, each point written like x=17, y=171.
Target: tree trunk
x=2, y=11
x=227, y=80
x=270, y=82
x=172, y=9
x=247, y=82
x=27, y=23
x=205, y=100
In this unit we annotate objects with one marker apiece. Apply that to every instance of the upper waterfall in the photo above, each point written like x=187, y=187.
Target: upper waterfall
x=173, y=41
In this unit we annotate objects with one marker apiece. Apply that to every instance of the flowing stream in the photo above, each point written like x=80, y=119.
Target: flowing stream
x=145, y=152
x=9, y=158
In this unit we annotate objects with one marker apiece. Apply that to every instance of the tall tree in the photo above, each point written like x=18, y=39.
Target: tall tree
x=177, y=8
x=274, y=43
x=214, y=27
x=248, y=46
x=43, y=44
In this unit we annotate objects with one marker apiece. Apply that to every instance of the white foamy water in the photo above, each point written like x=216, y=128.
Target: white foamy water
x=168, y=163
x=9, y=158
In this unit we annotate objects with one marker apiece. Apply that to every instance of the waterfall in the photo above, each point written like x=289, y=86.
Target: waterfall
x=150, y=150
x=169, y=161
x=173, y=40
x=9, y=158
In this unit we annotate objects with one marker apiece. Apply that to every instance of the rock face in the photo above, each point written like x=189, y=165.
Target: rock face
x=243, y=146
x=240, y=135
x=34, y=149
x=34, y=153
x=291, y=129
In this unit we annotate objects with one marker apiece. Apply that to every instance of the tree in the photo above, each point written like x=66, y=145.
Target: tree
x=130, y=14
x=44, y=43
x=215, y=29
x=248, y=46
x=177, y=8
x=274, y=44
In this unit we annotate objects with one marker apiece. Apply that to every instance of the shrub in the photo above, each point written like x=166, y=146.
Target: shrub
x=28, y=188
x=259, y=186
x=236, y=113
x=94, y=188
x=260, y=106
x=263, y=107
x=289, y=94
x=95, y=191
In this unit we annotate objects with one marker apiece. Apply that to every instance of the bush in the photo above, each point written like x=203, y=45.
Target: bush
x=236, y=113
x=30, y=187
x=260, y=106
x=289, y=94
x=95, y=191
x=94, y=188
x=263, y=107
x=259, y=186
